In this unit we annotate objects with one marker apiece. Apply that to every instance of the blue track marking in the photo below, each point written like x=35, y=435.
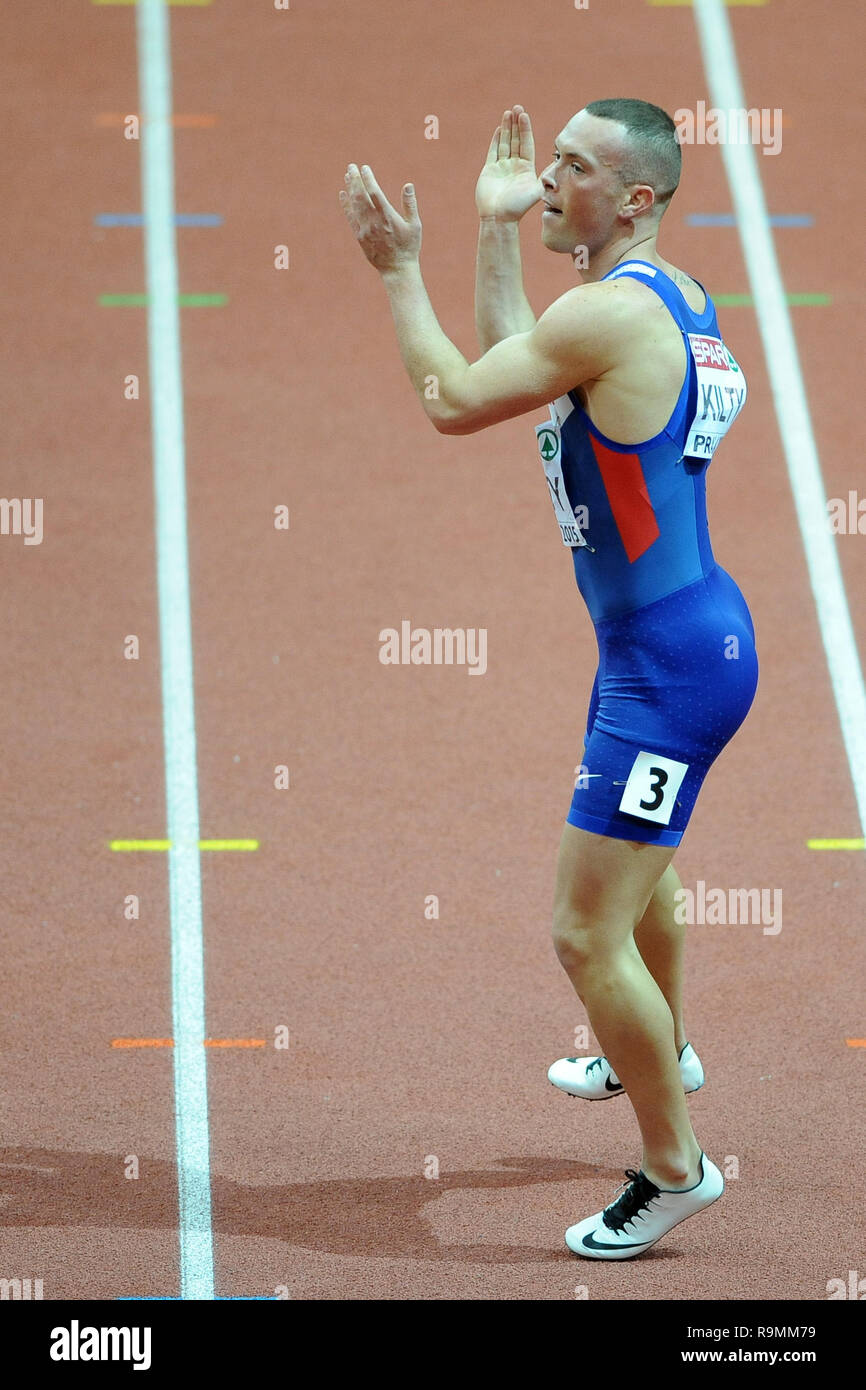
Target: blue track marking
x=178, y=706
x=727, y=219
x=136, y=219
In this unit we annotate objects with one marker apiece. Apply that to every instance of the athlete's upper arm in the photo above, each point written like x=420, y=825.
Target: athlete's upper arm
x=576, y=340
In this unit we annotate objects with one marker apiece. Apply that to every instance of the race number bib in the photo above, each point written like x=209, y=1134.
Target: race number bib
x=721, y=395
x=652, y=787
x=549, y=438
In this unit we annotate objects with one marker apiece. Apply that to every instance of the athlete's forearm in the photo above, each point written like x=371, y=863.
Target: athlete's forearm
x=501, y=306
x=435, y=366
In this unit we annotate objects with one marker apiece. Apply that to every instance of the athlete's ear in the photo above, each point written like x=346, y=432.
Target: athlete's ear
x=641, y=199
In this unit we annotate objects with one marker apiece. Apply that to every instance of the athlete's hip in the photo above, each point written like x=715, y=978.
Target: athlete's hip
x=682, y=670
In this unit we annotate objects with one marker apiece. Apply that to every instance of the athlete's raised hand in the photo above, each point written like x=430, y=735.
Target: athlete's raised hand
x=508, y=184
x=387, y=239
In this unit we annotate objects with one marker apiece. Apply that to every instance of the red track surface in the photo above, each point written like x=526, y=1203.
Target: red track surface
x=409, y=1038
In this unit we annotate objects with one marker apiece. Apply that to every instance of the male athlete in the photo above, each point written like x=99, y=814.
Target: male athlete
x=642, y=391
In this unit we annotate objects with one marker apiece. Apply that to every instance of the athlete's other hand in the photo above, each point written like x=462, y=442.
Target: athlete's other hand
x=387, y=239
x=508, y=185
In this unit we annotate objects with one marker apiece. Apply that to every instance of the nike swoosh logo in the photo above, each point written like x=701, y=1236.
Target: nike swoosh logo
x=593, y=1244
x=609, y=1087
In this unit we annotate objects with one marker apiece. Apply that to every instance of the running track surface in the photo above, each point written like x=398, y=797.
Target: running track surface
x=410, y=1039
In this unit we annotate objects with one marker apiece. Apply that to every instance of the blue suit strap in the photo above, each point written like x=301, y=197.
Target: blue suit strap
x=652, y=275
x=655, y=279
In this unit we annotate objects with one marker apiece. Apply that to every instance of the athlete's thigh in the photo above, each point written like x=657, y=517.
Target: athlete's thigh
x=606, y=881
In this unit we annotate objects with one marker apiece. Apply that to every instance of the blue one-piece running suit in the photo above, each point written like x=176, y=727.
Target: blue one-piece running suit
x=677, y=669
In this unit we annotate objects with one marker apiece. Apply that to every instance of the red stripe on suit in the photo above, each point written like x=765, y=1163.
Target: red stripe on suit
x=629, y=499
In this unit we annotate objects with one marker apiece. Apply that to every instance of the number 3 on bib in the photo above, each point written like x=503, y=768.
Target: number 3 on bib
x=652, y=787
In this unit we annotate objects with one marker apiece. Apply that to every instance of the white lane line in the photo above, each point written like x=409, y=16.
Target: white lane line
x=178, y=705
x=789, y=396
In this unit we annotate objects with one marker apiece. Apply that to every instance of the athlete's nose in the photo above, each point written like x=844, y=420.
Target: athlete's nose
x=548, y=182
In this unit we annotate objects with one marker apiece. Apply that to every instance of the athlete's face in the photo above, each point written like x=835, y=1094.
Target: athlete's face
x=583, y=193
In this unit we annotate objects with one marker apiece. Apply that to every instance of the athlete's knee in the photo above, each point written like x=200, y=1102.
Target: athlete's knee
x=582, y=940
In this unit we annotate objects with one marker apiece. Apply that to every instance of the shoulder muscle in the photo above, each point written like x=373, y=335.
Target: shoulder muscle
x=579, y=338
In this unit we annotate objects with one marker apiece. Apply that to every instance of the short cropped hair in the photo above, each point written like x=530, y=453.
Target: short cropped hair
x=652, y=150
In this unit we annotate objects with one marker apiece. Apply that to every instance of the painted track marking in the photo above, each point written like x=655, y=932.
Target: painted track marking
x=178, y=702
x=789, y=397
x=136, y=219
x=139, y=846
x=656, y=4
x=184, y=301
x=205, y=1042
x=795, y=300
x=192, y=121
x=201, y=3
x=727, y=219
